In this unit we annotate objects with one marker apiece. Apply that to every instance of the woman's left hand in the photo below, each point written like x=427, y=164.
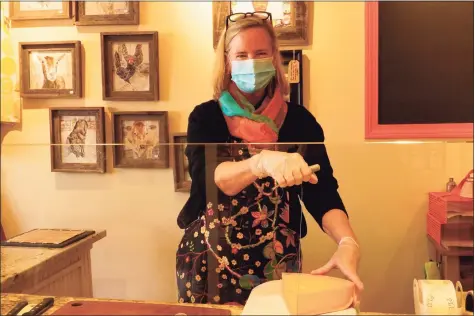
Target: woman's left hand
x=346, y=258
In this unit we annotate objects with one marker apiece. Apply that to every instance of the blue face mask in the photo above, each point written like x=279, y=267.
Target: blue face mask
x=251, y=75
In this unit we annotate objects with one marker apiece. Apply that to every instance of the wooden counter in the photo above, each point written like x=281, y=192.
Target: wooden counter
x=8, y=301
x=47, y=271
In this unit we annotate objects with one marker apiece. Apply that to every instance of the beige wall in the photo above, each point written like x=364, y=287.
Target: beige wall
x=383, y=185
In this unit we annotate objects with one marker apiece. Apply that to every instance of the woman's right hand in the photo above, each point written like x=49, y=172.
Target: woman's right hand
x=287, y=169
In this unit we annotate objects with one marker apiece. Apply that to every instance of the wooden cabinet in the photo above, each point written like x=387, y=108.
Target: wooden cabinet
x=45, y=271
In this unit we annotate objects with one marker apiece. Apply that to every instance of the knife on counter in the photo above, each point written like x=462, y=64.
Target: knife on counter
x=41, y=307
x=17, y=308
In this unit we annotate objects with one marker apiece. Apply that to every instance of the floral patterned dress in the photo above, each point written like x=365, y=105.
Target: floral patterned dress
x=238, y=243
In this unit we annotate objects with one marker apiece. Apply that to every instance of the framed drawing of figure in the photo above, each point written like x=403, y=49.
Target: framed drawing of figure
x=181, y=172
x=142, y=137
x=289, y=18
x=130, y=66
x=39, y=10
x=107, y=12
x=50, y=70
x=296, y=89
x=77, y=138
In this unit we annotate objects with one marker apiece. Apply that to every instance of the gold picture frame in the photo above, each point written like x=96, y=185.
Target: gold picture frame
x=17, y=14
x=296, y=33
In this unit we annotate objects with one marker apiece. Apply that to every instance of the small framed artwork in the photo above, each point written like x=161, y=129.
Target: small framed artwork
x=39, y=10
x=50, y=70
x=140, y=139
x=181, y=172
x=296, y=89
x=289, y=18
x=130, y=66
x=107, y=12
x=77, y=140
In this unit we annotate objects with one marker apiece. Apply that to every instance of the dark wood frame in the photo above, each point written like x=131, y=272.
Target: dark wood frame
x=41, y=15
x=179, y=170
x=117, y=138
x=296, y=89
x=132, y=18
x=25, y=48
x=55, y=138
x=107, y=67
x=376, y=131
x=295, y=36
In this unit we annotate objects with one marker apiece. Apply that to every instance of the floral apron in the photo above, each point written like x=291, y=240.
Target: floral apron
x=252, y=244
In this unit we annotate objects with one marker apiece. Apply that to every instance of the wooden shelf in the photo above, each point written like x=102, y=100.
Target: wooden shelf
x=453, y=263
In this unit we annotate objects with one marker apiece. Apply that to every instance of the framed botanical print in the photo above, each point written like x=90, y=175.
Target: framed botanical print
x=77, y=140
x=289, y=18
x=130, y=66
x=50, y=69
x=140, y=139
x=107, y=12
x=296, y=89
x=39, y=10
x=181, y=172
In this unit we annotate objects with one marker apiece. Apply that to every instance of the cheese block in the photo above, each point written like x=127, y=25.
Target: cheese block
x=306, y=294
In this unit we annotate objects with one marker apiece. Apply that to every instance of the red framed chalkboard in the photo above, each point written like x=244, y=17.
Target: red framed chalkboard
x=424, y=113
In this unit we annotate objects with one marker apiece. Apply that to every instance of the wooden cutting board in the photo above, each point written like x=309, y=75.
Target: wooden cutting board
x=47, y=238
x=132, y=308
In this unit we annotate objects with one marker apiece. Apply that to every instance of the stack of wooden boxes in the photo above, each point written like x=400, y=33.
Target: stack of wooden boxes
x=450, y=232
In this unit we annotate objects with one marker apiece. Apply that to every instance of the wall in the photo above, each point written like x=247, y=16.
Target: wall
x=383, y=185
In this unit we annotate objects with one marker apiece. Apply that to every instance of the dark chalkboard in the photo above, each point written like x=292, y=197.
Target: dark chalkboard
x=425, y=62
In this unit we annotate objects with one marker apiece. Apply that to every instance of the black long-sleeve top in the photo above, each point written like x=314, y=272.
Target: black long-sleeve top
x=206, y=124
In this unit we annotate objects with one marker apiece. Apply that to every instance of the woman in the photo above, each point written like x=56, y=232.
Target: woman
x=243, y=221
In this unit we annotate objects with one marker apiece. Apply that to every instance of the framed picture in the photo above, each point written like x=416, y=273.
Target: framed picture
x=296, y=89
x=142, y=137
x=290, y=18
x=130, y=66
x=50, y=70
x=107, y=12
x=39, y=10
x=180, y=164
x=77, y=140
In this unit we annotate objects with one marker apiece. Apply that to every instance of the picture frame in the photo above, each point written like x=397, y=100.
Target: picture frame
x=296, y=89
x=50, y=69
x=77, y=138
x=291, y=25
x=107, y=13
x=181, y=174
x=35, y=10
x=134, y=79
x=143, y=138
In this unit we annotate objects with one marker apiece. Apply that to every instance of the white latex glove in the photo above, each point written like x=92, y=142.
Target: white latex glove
x=287, y=169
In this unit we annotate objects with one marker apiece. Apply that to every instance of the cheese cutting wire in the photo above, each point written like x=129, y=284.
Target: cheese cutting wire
x=315, y=168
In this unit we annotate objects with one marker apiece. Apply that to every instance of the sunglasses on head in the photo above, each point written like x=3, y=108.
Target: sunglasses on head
x=257, y=14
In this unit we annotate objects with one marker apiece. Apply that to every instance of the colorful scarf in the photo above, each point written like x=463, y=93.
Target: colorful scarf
x=247, y=123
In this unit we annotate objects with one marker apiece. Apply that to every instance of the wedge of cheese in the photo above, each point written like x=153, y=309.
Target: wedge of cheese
x=306, y=294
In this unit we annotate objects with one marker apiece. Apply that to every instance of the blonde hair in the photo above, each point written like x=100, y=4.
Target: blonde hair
x=222, y=75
